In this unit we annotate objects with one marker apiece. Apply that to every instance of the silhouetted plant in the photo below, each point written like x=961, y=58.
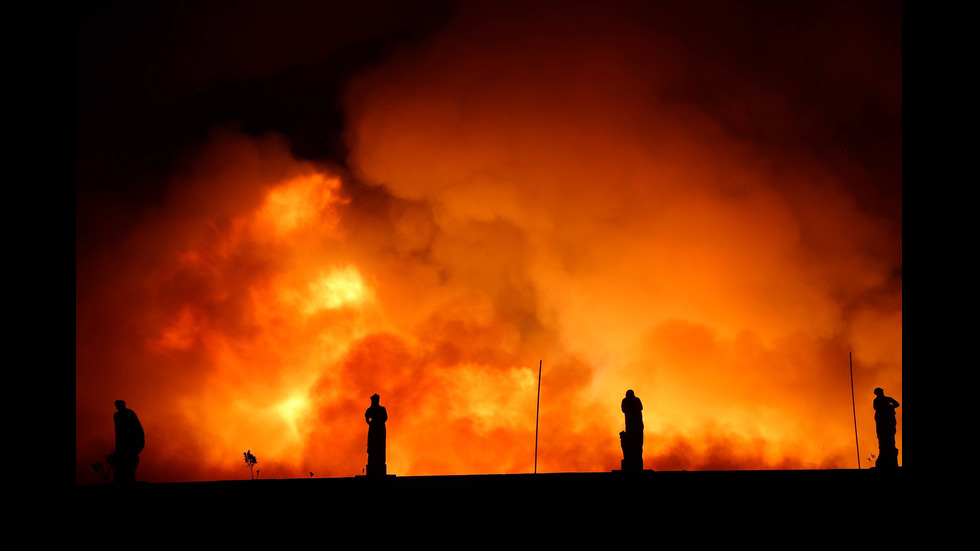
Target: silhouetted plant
x=250, y=460
x=103, y=472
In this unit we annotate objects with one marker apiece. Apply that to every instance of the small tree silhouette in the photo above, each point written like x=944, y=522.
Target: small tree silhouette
x=103, y=472
x=250, y=460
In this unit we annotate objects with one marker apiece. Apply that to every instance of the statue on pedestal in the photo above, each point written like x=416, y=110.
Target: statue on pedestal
x=376, y=416
x=631, y=439
x=885, y=426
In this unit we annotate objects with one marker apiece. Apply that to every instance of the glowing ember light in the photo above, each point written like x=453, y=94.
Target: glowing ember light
x=293, y=410
x=182, y=333
x=340, y=287
x=300, y=203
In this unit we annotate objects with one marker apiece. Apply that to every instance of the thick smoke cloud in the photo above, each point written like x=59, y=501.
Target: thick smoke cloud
x=701, y=205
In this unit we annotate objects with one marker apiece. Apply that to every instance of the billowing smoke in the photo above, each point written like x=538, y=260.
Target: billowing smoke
x=702, y=206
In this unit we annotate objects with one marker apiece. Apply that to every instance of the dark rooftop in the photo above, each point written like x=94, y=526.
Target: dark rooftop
x=667, y=510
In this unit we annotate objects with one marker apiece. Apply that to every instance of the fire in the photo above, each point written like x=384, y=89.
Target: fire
x=582, y=199
x=299, y=204
x=336, y=289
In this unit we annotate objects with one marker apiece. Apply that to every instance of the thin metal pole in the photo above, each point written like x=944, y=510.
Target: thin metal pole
x=850, y=360
x=537, y=413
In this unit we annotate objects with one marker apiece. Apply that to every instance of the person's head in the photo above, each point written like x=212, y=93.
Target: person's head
x=879, y=392
x=375, y=399
x=120, y=405
x=629, y=393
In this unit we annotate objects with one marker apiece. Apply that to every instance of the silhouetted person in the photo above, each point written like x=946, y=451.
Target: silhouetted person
x=129, y=443
x=376, y=416
x=885, y=427
x=632, y=438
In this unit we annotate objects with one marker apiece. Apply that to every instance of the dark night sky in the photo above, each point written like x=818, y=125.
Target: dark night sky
x=153, y=77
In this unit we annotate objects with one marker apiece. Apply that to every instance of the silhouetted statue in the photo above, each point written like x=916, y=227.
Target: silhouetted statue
x=376, y=416
x=129, y=443
x=632, y=438
x=885, y=427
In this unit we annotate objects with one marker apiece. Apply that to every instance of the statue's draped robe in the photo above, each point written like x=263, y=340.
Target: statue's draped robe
x=885, y=426
x=632, y=438
x=376, y=416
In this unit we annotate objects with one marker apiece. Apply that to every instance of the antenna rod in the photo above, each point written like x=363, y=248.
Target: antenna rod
x=854, y=410
x=537, y=414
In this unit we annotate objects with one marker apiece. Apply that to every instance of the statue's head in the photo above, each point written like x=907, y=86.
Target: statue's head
x=879, y=392
x=120, y=405
x=375, y=399
x=629, y=393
